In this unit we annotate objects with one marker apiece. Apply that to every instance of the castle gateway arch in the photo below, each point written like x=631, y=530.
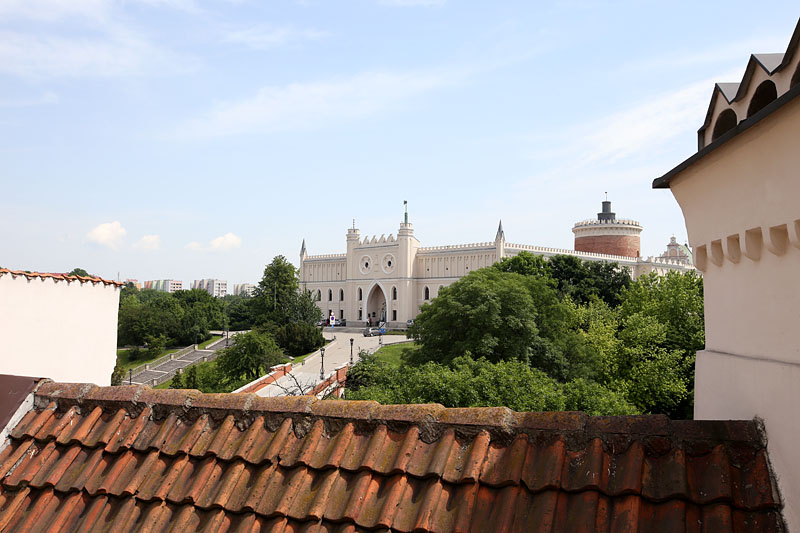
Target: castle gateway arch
x=376, y=304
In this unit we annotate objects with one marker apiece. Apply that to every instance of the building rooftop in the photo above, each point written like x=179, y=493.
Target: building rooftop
x=122, y=458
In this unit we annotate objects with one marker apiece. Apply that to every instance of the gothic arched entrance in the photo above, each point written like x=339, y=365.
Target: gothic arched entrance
x=376, y=305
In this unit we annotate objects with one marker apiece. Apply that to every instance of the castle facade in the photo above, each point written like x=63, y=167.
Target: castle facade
x=388, y=279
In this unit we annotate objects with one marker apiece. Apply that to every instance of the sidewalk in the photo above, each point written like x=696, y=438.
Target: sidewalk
x=337, y=355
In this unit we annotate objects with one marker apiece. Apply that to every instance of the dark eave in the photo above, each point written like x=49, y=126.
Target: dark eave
x=663, y=181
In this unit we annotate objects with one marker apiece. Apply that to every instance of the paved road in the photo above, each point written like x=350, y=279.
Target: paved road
x=337, y=354
x=170, y=366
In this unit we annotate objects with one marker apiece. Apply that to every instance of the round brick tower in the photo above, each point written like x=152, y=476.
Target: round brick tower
x=607, y=234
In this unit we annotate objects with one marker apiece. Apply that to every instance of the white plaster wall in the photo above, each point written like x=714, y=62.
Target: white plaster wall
x=731, y=387
x=58, y=330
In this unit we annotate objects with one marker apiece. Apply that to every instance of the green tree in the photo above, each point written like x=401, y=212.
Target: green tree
x=80, y=272
x=239, y=311
x=276, y=292
x=118, y=375
x=584, y=280
x=303, y=308
x=250, y=355
x=595, y=399
x=190, y=378
x=674, y=299
x=155, y=345
x=177, y=381
x=524, y=263
x=299, y=338
x=487, y=314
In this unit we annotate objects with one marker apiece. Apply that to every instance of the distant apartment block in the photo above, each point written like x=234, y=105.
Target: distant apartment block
x=164, y=285
x=215, y=287
x=244, y=289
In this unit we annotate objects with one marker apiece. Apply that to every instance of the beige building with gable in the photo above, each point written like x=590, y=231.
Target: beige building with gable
x=740, y=196
x=388, y=279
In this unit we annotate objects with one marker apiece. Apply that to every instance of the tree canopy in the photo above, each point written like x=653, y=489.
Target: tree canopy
x=251, y=354
x=559, y=333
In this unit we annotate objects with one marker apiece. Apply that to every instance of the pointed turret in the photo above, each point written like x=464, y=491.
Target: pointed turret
x=303, y=253
x=500, y=242
x=500, y=235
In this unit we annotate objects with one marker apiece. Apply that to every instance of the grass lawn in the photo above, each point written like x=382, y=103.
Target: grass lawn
x=122, y=357
x=213, y=339
x=392, y=354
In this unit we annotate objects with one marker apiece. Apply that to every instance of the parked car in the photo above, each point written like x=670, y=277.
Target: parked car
x=409, y=323
x=371, y=332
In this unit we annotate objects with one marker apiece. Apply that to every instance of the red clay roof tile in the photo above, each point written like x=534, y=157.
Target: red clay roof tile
x=60, y=277
x=132, y=458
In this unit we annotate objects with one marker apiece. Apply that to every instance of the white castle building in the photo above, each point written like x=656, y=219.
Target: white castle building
x=387, y=279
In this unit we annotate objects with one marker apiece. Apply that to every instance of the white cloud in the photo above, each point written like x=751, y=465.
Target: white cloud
x=264, y=36
x=653, y=122
x=49, y=10
x=104, y=45
x=109, y=234
x=45, y=56
x=229, y=241
x=148, y=243
x=226, y=242
x=309, y=105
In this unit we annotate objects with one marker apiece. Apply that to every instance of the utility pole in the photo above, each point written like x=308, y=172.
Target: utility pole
x=322, y=364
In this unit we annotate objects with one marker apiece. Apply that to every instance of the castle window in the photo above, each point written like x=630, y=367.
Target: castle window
x=394, y=293
x=427, y=293
x=330, y=295
x=319, y=295
x=765, y=93
x=359, y=294
x=725, y=122
x=341, y=295
x=394, y=315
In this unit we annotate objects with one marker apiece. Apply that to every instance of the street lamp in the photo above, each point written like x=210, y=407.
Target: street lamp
x=351, y=350
x=322, y=364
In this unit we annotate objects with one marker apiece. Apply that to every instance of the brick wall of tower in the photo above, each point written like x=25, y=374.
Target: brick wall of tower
x=626, y=245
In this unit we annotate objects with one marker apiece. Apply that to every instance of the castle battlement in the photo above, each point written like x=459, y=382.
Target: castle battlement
x=456, y=247
x=616, y=221
x=375, y=240
x=325, y=257
x=563, y=251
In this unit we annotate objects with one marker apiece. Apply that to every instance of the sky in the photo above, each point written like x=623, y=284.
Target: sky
x=188, y=139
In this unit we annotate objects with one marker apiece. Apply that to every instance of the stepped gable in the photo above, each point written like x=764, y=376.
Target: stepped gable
x=89, y=458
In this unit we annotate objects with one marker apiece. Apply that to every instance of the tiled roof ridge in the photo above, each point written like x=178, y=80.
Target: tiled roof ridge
x=60, y=277
x=432, y=420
